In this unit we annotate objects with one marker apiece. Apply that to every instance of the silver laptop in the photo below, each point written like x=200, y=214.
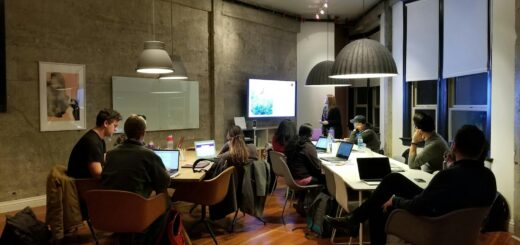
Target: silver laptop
x=170, y=159
x=344, y=150
x=321, y=144
x=205, y=149
x=373, y=169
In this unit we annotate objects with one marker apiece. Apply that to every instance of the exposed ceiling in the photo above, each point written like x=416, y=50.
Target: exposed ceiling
x=342, y=9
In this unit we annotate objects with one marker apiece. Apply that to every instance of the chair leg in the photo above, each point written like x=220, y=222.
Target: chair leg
x=234, y=221
x=208, y=227
x=274, y=185
x=92, y=232
x=283, y=210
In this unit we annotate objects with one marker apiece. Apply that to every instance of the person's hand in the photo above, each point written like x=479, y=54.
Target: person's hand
x=325, y=122
x=387, y=204
x=417, y=136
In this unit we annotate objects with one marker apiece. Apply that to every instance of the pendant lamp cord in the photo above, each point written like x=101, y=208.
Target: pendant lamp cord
x=153, y=19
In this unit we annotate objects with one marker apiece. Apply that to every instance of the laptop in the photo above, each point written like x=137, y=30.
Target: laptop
x=373, y=169
x=205, y=149
x=321, y=145
x=170, y=159
x=344, y=150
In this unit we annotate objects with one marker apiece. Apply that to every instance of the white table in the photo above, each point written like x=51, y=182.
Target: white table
x=350, y=175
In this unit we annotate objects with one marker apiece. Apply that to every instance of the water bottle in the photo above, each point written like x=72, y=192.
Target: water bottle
x=169, y=142
x=330, y=138
x=359, y=141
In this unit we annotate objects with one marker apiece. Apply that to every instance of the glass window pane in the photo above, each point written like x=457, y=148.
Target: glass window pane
x=361, y=111
x=376, y=117
x=471, y=90
x=361, y=95
x=428, y=112
x=426, y=92
x=376, y=95
x=460, y=118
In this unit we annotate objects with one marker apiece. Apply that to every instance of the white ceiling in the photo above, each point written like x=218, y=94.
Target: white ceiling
x=344, y=9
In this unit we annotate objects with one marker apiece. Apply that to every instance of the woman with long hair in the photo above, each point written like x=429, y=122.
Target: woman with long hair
x=331, y=118
x=286, y=131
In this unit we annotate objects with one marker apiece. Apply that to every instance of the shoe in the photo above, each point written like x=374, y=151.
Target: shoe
x=345, y=223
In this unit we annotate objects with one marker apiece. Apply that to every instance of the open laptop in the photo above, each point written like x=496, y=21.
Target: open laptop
x=344, y=150
x=205, y=149
x=373, y=169
x=170, y=159
x=321, y=144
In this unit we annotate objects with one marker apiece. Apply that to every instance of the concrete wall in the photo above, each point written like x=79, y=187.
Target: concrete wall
x=312, y=49
x=108, y=36
x=517, y=121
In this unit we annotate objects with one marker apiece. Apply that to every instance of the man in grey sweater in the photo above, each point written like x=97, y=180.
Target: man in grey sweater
x=431, y=157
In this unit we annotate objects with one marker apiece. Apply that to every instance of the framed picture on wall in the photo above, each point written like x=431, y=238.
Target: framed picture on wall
x=62, y=96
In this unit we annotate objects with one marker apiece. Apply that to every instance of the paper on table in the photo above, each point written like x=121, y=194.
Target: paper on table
x=241, y=122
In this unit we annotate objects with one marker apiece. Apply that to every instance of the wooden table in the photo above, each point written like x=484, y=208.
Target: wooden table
x=187, y=174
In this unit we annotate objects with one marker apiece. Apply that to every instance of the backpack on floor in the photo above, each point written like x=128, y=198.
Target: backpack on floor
x=24, y=228
x=322, y=205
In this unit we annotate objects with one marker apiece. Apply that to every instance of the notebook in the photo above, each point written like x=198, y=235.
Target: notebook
x=205, y=149
x=373, y=169
x=344, y=150
x=170, y=159
x=321, y=145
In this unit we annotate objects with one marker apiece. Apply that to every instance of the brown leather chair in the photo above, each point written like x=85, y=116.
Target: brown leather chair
x=123, y=211
x=459, y=227
x=82, y=186
x=206, y=193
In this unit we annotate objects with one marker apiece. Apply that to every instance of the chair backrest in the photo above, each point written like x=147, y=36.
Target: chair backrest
x=341, y=192
x=457, y=227
x=329, y=181
x=84, y=185
x=280, y=168
x=206, y=192
x=123, y=211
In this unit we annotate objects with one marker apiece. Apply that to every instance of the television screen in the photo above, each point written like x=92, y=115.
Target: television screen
x=271, y=98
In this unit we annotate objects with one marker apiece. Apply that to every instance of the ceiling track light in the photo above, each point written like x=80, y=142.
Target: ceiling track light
x=325, y=5
x=322, y=11
x=317, y=16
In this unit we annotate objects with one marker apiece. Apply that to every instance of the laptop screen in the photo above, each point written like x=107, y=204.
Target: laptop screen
x=322, y=143
x=344, y=150
x=205, y=149
x=170, y=158
x=373, y=168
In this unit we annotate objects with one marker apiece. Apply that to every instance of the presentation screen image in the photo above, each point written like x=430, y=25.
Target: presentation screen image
x=271, y=98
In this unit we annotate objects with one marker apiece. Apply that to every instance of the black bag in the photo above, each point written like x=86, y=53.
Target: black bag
x=322, y=205
x=23, y=228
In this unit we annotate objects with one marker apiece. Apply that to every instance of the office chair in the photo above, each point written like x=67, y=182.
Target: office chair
x=123, y=211
x=280, y=168
x=459, y=227
x=82, y=186
x=206, y=193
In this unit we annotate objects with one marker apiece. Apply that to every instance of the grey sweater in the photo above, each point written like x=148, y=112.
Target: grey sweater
x=431, y=157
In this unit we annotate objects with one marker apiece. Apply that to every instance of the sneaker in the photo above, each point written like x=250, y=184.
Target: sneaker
x=345, y=223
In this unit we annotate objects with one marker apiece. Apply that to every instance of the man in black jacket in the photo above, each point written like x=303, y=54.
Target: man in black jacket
x=465, y=184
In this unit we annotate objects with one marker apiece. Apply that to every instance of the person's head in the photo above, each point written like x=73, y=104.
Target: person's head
x=470, y=143
x=424, y=122
x=305, y=131
x=135, y=127
x=331, y=100
x=359, y=121
x=107, y=121
x=237, y=145
x=285, y=131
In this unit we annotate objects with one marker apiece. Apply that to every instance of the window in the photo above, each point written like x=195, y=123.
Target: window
x=375, y=107
x=361, y=101
x=424, y=99
x=467, y=102
x=366, y=104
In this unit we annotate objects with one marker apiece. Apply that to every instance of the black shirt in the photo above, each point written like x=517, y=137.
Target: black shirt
x=466, y=184
x=90, y=148
x=132, y=167
x=304, y=162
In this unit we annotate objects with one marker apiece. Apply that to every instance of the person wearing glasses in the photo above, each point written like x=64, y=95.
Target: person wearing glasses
x=431, y=157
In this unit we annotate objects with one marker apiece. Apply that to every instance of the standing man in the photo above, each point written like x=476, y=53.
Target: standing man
x=466, y=183
x=88, y=155
x=134, y=168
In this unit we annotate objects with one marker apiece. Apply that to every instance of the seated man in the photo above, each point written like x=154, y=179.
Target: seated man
x=369, y=136
x=302, y=158
x=465, y=184
x=132, y=167
x=88, y=155
x=431, y=157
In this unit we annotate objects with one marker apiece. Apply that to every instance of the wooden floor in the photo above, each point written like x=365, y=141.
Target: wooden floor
x=248, y=229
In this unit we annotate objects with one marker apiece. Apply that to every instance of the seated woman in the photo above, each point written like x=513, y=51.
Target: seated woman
x=302, y=158
x=286, y=131
x=234, y=153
